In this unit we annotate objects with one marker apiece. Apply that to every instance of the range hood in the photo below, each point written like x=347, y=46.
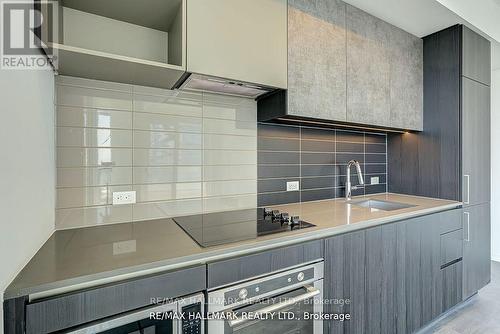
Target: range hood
x=204, y=83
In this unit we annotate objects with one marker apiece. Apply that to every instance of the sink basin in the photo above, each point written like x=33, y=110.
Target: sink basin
x=382, y=205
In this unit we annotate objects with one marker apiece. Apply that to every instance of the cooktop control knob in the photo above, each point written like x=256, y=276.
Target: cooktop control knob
x=268, y=212
x=295, y=220
x=300, y=276
x=243, y=294
x=285, y=217
x=276, y=214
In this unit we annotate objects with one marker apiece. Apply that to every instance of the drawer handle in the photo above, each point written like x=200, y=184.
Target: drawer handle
x=467, y=227
x=452, y=262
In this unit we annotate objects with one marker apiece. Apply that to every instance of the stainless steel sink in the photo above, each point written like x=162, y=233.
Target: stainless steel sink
x=381, y=205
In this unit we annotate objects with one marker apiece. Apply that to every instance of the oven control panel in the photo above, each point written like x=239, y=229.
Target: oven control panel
x=191, y=324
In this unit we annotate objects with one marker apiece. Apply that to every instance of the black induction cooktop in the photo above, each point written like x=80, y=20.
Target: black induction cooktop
x=219, y=228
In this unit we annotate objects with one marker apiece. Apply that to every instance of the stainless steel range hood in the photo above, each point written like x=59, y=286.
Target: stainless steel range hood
x=203, y=83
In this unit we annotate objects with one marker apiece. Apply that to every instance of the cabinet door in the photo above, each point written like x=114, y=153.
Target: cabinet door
x=368, y=68
x=406, y=81
x=316, y=59
x=476, y=55
x=238, y=39
x=345, y=257
x=475, y=142
x=360, y=269
x=477, y=245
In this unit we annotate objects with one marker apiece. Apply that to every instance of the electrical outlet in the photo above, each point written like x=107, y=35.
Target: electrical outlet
x=374, y=180
x=123, y=197
x=292, y=186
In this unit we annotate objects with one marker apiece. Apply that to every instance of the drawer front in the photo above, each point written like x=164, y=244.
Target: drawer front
x=451, y=247
x=241, y=268
x=70, y=310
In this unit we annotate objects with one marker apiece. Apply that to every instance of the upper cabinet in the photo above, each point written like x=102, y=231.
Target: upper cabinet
x=345, y=65
x=384, y=73
x=476, y=57
x=316, y=59
x=125, y=41
x=238, y=39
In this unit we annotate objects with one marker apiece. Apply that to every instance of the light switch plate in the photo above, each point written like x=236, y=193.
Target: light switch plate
x=124, y=197
x=374, y=180
x=292, y=186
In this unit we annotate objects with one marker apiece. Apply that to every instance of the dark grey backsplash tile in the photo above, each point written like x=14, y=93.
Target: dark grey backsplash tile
x=278, y=144
x=317, y=158
x=375, y=138
x=344, y=158
x=317, y=194
x=375, y=148
x=318, y=182
x=267, y=199
x=376, y=169
x=318, y=134
x=375, y=189
x=316, y=170
x=273, y=158
x=317, y=146
x=375, y=158
x=349, y=136
x=280, y=171
x=349, y=147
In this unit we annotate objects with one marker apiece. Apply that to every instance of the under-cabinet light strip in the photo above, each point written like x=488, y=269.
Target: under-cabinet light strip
x=340, y=125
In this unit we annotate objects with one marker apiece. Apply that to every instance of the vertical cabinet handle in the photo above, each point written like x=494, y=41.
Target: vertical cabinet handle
x=467, y=226
x=467, y=191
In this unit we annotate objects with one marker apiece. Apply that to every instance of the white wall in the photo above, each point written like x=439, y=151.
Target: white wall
x=27, y=168
x=495, y=153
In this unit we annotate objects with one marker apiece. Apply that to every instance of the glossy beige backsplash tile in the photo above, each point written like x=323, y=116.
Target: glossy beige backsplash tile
x=183, y=153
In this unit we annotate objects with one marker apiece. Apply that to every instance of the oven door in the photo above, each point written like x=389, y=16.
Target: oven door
x=279, y=314
x=140, y=322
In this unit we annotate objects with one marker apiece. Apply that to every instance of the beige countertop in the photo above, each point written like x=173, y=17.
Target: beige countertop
x=80, y=258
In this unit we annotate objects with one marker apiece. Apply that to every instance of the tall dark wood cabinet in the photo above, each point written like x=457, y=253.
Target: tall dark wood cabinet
x=450, y=158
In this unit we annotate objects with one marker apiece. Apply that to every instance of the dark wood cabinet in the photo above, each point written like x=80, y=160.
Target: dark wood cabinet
x=429, y=268
x=240, y=268
x=477, y=245
x=57, y=313
x=397, y=277
x=476, y=56
x=476, y=161
x=450, y=159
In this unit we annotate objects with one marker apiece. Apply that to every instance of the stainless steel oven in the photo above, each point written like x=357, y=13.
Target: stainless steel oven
x=280, y=303
x=160, y=319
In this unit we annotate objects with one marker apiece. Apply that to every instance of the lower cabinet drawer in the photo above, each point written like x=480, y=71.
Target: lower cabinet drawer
x=233, y=270
x=451, y=285
x=451, y=247
x=61, y=312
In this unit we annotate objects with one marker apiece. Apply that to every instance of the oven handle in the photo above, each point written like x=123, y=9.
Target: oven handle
x=311, y=292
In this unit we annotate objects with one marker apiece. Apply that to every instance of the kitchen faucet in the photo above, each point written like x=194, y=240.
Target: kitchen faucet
x=348, y=187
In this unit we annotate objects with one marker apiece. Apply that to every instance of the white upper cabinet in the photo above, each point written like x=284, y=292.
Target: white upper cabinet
x=238, y=39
